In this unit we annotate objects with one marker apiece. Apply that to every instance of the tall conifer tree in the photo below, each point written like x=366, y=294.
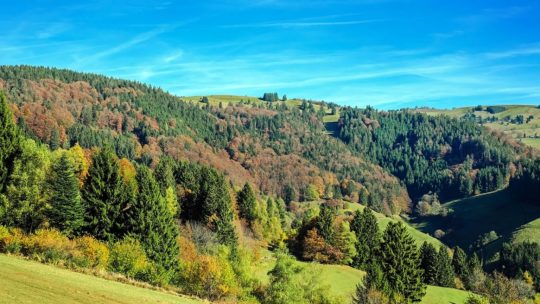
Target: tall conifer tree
x=102, y=195
x=67, y=212
x=247, y=203
x=459, y=262
x=445, y=272
x=9, y=141
x=150, y=220
x=400, y=263
x=364, y=225
x=428, y=262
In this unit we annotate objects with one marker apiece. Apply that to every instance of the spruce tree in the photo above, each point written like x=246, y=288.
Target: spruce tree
x=247, y=203
x=9, y=141
x=459, y=263
x=103, y=195
x=364, y=225
x=400, y=263
x=445, y=272
x=325, y=222
x=67, y=212
x=150, y=220
x=428, y=262
x=216, y=205
x=164, y=174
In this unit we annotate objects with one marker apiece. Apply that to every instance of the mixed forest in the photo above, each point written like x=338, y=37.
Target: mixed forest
x=118, y=176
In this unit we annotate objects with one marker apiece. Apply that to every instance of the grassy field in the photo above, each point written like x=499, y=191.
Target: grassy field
x=499, y=211
x=24, y=281
x=441, y=295
x=340, y=279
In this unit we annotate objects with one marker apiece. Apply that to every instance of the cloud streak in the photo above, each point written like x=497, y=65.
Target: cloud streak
x=290, y=24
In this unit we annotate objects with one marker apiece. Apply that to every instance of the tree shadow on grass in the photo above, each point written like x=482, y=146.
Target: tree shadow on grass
x=472, y=217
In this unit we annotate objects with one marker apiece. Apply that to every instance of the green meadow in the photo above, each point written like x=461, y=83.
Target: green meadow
x=25, y=281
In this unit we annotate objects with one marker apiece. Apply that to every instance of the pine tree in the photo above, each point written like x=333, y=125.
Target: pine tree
x=164, y=174
x=9, y=141
x=66, y=213
x=428, y=263
x=473, y=263
x=150, y=220
x=247, y=203
x=445, y=272
x=400, y=263
x=325, y=222
x=459, y=262
x=103, y=195
x=364, y=225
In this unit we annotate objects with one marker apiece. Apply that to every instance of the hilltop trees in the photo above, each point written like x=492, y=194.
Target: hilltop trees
x=67, y=212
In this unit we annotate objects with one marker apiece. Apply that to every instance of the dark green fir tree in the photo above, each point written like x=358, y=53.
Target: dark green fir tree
x=67, y=212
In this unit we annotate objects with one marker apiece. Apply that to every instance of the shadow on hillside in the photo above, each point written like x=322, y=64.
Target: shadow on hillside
x=332, y=128
x=474, y=216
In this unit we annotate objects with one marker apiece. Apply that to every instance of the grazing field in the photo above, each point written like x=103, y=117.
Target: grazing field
x=442, y=295
x=498, y=211
x=23, y=281
x=342, y=281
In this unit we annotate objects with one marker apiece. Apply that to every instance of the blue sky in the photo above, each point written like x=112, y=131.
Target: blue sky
x=389, y=54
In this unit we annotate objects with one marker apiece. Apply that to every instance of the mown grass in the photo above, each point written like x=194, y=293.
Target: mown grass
x=341, y=281
x=502, y=212
x=23, y=281
x=442, y=295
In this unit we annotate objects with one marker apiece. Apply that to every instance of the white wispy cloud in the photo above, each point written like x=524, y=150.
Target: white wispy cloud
x=286, y=24
x=522, y=51
x=139, y=39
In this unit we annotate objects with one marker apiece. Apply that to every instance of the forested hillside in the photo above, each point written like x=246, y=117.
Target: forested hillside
x=282, y=149
x=123, y=179
x=453, y=158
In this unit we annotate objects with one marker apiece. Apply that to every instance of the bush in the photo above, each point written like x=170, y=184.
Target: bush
x=11, y=240
x=48, y=245
x=474, y=299
x=128, y=257
x=94, y=254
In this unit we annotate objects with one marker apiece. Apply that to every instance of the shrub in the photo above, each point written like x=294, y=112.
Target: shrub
x=128, y=257
x=474, y=299
x=94, y=254
x=11, y=240
x=48, y=245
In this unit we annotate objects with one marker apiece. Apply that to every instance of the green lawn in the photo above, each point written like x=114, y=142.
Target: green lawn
x=23, y=281
x=499, y=211
x=441, y=295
